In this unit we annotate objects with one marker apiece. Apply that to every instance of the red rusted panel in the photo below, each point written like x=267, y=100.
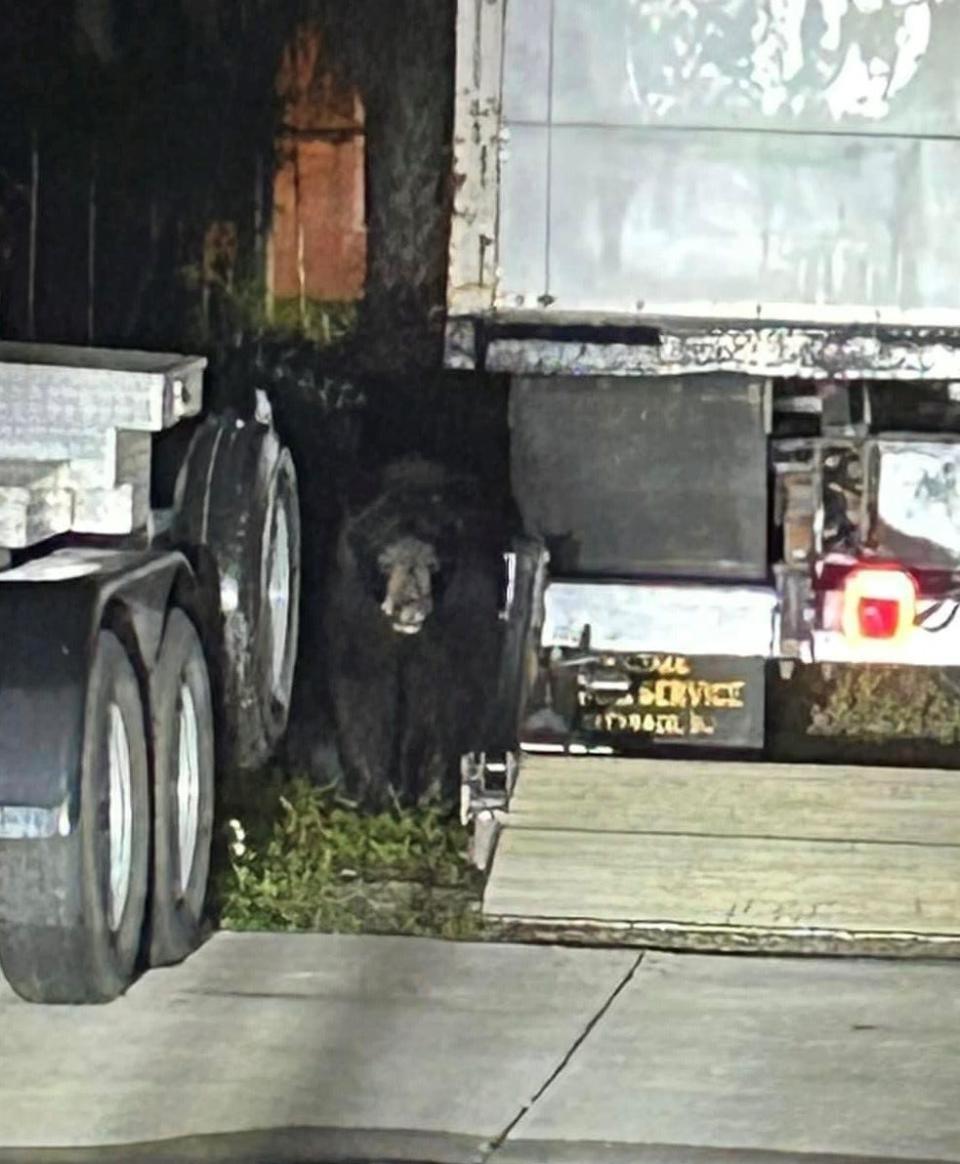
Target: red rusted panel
x=319, y=231
x=319, y=191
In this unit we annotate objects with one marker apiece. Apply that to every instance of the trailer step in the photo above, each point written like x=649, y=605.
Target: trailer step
x=731, y=856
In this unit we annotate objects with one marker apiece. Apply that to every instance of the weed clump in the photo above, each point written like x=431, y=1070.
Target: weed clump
x=315, y=862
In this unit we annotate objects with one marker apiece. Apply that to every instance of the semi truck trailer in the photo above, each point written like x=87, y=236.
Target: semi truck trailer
x=149, y=602
x=713, y=246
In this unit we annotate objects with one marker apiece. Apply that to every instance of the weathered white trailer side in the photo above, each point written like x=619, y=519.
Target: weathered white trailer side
x=722, y=159
x=713, y=244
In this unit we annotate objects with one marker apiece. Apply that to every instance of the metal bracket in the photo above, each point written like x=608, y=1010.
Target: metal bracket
x=510, y=562
x=796, y=611
x=263, y=412
x=486, y=787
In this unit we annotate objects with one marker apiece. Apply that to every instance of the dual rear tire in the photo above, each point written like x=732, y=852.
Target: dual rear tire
x=74, y=931
x=184, y=766
x=237, y=498
x=118, y=878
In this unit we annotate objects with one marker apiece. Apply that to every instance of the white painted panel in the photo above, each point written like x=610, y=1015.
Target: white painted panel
x=689, y=220
x=526, y=61
x=862, y=66
x=793, y=160
x=688, y=619
x=523, y=217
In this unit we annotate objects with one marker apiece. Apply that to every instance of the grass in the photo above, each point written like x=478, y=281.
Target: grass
x=298, y=857
x=888, y=703
x=303, y=858
x=323, y=322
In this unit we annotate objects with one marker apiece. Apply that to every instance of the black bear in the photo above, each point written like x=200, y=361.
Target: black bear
x=413, y=632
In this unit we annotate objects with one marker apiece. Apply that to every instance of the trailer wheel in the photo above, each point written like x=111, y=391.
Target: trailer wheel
x=237, y=495
x=183, y=734
x=280, y=616
x=75, y=904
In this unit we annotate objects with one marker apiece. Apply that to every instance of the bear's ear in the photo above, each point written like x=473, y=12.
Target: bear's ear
x=357, y=552
x=358, y=490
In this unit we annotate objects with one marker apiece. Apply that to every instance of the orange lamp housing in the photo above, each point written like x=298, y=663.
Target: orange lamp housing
x=879, y=605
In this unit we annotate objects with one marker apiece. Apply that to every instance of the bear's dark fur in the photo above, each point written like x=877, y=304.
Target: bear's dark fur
x=406, y=706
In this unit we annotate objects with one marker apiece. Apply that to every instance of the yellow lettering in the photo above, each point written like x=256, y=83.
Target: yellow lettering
x=665, y=706
x=696, y=693
x=676, y=694
x=727, y=694
x=662, y=665
x=699, y=726
x=669, y=725
x=670, y=693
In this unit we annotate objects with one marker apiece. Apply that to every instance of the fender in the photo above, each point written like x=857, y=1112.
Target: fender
x=50, y=611
x=526, y=565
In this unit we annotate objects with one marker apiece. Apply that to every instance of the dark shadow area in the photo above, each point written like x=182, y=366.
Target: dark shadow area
x=136, y=137
x=271, y=1146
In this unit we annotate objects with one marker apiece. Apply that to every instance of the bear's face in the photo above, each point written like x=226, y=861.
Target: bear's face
x=408, y=566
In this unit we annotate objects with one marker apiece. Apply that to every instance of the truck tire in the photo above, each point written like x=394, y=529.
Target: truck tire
x=73, y=906
x=183, y=734
x=237, y=496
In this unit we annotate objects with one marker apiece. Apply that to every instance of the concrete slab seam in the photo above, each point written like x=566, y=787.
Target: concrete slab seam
x=491, y=1148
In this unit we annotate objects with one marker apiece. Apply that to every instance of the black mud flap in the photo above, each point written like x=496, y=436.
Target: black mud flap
x=673, y=699
x=632, y=704
x=526, y=565
x=633, y=476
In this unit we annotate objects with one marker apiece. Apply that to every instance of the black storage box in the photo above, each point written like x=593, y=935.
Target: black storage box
x=643, y=476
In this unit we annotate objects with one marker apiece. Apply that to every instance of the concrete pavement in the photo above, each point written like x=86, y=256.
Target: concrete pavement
x=321, y=1048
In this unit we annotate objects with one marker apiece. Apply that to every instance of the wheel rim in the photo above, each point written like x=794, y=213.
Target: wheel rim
x=121, y=816
x=188, y=785
x=278, y=592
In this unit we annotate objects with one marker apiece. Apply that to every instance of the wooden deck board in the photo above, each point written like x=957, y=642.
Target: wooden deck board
x=649, y=879
x=738, y=799
x=762, y=847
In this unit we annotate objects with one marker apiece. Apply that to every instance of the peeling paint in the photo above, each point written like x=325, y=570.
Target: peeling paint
x=766, y=351
x=731, y=160
x=918, y=493
x=844, y=58
x=477, y=147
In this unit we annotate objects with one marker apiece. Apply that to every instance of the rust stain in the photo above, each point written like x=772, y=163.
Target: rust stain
x=319, y=220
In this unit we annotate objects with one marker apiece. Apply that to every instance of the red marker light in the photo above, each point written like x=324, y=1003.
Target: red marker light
x=879, y=604
x=879, y=618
